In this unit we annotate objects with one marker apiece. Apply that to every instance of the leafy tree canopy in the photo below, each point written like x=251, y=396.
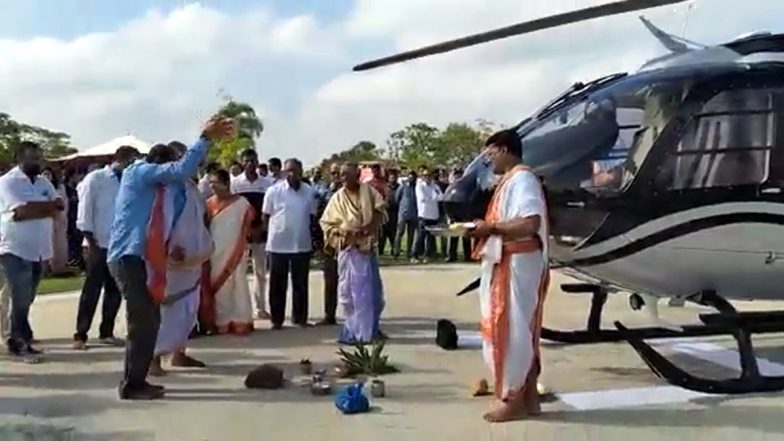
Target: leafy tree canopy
x=54, y=144
x=249, y=128
x=422, y=144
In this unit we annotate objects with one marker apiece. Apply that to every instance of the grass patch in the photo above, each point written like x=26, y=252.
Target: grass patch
x=50, y=285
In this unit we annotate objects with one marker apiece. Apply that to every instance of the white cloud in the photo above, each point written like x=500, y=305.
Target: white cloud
x=160, y=74
x=157, y=75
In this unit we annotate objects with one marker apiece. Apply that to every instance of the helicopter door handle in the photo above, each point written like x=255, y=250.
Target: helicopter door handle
x=575, y=204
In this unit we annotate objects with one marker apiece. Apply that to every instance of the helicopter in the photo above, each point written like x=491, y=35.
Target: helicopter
x=667, y=182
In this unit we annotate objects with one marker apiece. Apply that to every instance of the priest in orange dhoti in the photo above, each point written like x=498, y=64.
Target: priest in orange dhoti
x=512, y=248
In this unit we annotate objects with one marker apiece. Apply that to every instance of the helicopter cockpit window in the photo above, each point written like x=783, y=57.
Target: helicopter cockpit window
x=727, y=143
x=607, y=169
x=597, y=142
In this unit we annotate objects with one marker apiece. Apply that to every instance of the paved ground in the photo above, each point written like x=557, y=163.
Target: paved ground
x=606, y=391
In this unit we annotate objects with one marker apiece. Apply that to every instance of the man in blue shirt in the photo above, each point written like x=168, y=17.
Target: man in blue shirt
x=127, y=249
x=407, y=220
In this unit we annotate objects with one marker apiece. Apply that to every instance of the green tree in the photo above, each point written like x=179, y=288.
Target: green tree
x=249, y=124
x=249, y=128
x=415, y=145
x=422, y=144
x=54, y=144
x=459, y=144
x=361, y=151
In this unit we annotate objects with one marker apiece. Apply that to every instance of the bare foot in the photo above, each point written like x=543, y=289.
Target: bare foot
x=180, y=359
x=509, y=411
x=155, y=368
x=533, y=402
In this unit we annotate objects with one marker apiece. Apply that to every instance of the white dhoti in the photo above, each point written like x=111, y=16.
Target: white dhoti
x=179, y=282
x=514, y=280
x=177, y=322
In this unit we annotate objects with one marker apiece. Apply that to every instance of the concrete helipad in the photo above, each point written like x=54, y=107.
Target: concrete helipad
x=605, y=391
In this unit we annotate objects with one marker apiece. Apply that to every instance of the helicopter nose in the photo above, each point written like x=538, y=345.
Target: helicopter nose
x=463, y=204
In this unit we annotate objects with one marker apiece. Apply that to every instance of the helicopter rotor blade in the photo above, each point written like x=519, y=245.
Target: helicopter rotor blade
x=605, y=10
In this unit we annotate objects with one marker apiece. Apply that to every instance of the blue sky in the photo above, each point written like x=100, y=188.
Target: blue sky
x=71, y=18
x=107, y=68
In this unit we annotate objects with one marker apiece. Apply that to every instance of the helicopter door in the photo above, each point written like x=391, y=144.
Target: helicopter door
x=727, y=144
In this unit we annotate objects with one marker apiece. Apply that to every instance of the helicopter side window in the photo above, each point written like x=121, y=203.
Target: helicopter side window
x=727, y=143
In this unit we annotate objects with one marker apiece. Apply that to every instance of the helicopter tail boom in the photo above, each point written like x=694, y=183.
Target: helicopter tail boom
x=553, y=21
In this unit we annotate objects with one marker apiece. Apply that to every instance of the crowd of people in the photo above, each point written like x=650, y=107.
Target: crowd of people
x=183, y=230
x=175, y=246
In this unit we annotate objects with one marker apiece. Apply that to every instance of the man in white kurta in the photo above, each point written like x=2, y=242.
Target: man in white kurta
x=514, y=278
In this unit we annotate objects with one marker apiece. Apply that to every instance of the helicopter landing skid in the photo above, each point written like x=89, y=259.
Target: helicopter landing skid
x=750, y=380
x=595, y=334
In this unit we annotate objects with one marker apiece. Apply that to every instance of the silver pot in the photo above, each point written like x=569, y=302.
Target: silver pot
x=377, y=388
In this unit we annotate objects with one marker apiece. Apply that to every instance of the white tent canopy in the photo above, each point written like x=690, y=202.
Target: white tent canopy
x=108, y=148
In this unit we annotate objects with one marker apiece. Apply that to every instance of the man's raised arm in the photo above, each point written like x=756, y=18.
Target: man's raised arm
x=177, y=170
x=217, y=128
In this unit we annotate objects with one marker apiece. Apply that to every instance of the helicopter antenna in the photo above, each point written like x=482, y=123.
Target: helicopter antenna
x=689, y=8
x=553, y=21
x=671, y=42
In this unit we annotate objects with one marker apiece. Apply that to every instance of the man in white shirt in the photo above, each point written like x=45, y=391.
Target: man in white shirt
x=253, y=188
x=289, y=212
x=204, y=182
x=275, y=170
x=28, y=203
x=94, y=218
x=427, y=196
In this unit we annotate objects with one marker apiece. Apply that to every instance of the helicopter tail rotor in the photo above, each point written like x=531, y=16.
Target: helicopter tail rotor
x=553, y=21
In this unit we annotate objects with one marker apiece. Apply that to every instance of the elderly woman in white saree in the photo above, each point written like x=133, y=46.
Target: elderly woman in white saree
x=189, y=246
x=227, y=306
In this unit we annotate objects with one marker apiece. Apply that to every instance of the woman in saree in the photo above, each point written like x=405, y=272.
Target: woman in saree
x=227, y=305
x=59, y=263
x=351, y=224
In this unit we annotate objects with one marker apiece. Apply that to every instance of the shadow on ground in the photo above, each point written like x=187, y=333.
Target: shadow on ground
x=47, y=432
x=63, y=405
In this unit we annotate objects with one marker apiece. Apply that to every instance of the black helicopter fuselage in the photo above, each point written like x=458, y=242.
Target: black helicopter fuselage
x=665, y=182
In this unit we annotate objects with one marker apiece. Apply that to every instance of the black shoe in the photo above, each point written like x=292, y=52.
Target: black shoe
x=277, y=326
x=147, y=392
x=34, y=351
x=112, y=341
x=327, y=322
x=154, y=386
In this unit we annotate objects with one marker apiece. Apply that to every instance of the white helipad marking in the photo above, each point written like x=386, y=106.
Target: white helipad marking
x=719, y=355
x=646, y=396
x=652, y=395
x=631, y=397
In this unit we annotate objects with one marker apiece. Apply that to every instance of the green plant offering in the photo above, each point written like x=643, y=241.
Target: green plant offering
x=363, y=361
